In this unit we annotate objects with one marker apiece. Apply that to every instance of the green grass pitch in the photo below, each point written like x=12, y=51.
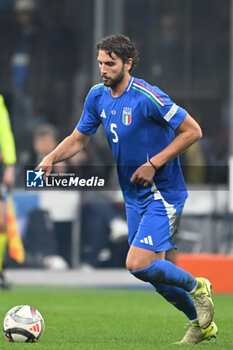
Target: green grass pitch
x=99, y=319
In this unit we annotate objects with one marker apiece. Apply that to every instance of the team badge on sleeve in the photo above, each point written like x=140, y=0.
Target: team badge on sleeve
x=127, y=115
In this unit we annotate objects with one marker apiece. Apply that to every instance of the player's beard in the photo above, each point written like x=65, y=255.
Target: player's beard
x=112, y=83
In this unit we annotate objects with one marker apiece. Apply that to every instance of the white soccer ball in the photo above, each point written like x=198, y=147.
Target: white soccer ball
x=23, y=324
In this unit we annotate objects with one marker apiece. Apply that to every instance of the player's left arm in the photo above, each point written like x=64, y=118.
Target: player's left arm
x=189, y=132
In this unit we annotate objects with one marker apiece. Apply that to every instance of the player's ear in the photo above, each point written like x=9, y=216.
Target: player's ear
x=129, y=64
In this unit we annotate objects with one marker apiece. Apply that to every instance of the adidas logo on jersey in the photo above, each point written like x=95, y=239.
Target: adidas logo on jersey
x=103, y=115
x=147, y=240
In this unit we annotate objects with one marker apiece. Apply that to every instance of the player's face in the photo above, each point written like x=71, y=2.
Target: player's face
x=112, y=69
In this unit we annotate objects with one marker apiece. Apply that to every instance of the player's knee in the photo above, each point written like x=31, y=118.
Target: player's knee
x=138, y=259
x=136, y=263
x=130, y=266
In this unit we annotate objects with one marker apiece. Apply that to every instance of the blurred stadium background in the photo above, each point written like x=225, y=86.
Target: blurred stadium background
x=48, y=63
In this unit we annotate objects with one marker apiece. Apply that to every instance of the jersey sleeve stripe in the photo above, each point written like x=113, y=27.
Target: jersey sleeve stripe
x=97, y=86
x=148, y=95
x=130, y=84
x=138, y=82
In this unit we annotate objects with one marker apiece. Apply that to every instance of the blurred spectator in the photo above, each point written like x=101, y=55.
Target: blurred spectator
x=168, y=57
x=217, y=155
x=26, y=69
x=63, y=62
x=103, y=237
x=44, y=139
x=39, y=62
x=89, y=162
x=194, y=168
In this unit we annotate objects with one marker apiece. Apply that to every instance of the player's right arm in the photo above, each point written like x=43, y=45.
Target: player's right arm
x=70, y=146
x=79, y=138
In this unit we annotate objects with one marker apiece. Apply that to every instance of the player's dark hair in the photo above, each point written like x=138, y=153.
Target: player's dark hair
x=121, y=45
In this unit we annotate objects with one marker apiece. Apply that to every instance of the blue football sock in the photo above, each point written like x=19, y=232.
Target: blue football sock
x=179, y=298
x=165, y=272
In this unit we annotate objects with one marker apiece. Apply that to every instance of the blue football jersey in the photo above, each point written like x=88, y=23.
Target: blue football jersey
x=138, y=124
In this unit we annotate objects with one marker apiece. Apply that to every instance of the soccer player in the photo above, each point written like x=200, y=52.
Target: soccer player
x=7, y=174
x=139, y=121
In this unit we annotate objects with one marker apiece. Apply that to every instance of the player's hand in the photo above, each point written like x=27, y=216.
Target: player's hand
x=143, y=175
x=46, y=164
x=9, y=176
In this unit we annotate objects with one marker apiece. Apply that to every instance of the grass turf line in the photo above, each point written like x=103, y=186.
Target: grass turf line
x=99, y=319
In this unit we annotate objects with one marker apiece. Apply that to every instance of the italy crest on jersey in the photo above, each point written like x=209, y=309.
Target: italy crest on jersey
x=127, y=115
